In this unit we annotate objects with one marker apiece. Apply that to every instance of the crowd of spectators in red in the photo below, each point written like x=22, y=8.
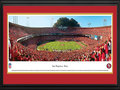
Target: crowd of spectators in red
x=100, y=53
x=96, y=51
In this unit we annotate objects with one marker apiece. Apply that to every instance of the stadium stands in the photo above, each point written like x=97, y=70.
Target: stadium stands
x=96, y=50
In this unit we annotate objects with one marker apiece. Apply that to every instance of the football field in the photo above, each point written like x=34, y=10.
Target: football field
x=61, y=46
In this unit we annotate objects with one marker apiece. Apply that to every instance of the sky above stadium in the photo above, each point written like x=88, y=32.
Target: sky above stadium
x=48, y=21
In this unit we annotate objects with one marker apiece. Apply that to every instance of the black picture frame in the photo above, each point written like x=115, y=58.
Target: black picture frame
x=60, y=3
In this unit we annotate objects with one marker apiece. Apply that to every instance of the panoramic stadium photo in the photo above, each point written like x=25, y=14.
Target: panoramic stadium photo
x=83, y=38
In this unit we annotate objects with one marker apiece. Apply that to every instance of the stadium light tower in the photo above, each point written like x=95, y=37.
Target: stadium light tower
x=27, y=21
x=105, y=22
x=89, y=24
x=15, y=19
x=52, y=19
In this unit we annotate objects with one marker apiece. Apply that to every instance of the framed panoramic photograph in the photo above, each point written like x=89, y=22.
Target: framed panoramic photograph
x=60, y=43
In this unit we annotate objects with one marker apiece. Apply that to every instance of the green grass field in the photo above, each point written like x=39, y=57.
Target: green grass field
x=60, y=45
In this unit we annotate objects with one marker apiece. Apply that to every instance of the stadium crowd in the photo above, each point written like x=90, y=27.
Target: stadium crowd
x=18, y=52
x=95, y=50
